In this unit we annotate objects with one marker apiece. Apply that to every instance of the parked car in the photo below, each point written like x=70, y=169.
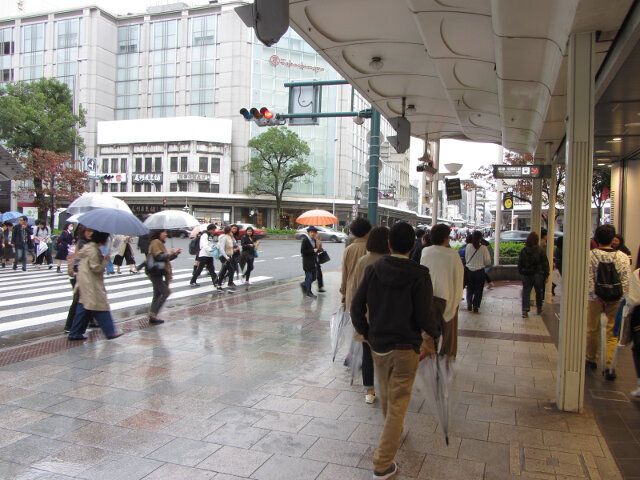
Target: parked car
x=258, y=233
x=519, y=236
x=178, y=232
x=326, y=234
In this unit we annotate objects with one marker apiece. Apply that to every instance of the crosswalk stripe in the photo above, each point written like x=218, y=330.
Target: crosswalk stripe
x=124, y=303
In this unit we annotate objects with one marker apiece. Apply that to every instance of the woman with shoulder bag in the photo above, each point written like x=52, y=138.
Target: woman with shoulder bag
x=477, y=257
x=228, y=246
x=159, y=271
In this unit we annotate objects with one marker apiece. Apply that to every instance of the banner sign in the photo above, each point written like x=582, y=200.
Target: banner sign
x=146, y=177
x=522, y=171
x=454, y=192
x=507, y=200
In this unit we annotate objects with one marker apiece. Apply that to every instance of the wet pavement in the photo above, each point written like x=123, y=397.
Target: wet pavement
x=242, y=387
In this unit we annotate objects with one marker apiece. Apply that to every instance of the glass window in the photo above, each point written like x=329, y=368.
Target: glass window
x=114, y=187
x=173, y=165
x=139, y=165
x=202, y=30
x=137, y=187
x=67, y=33
x=105, y=165
x=158, y=164
x=147, y=187
x=105, y=187
x=183, y=164
x=173, y=187
x=128, y=38
x=215, y=188
x=114, y=165
x=148, y=164
x=123, y=165
x=215, y=165
x=6, y=41
x=33, y=38
x=203, y=187
x=203, y=164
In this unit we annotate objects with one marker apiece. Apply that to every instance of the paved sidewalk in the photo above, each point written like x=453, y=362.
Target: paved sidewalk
x=243, y=388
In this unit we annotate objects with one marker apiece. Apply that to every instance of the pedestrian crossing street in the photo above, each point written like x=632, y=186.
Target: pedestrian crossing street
x=41, y=297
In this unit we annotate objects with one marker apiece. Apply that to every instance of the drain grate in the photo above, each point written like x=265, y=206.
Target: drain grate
x=613, y=395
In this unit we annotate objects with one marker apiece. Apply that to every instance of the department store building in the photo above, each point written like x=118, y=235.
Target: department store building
x=162, y=92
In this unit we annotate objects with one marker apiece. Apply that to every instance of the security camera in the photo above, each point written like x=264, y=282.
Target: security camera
x=358, y=120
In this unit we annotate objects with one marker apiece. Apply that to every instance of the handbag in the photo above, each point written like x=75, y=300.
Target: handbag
x=153, y=266
x=255, y=253
x=323, y=257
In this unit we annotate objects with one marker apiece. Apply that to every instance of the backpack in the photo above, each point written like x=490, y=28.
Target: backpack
x=608, y=286
x=529, y=266
x=194, y=245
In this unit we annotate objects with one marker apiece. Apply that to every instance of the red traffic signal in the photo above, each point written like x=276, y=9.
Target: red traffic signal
x=266, y=113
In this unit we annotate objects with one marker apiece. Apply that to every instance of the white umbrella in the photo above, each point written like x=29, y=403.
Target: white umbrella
x=91, y=201
x=170, y=219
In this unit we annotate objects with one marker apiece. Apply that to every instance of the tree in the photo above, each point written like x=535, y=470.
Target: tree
x=279, y=159
x=600, y=188
x=58, y=180
x=39, y=115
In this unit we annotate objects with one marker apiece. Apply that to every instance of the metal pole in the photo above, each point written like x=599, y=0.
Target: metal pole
x=374, y=159
x=551, y=218
x=434, y=185
x=498, y=220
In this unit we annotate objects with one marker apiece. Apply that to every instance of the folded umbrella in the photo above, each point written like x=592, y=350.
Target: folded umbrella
x=113, y=221
x=340, y=326
x=170, y=219
x=355, y=359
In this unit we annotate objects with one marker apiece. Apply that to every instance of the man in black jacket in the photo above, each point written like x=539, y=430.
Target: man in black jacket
x=397, y=294
x=309, y=251
x=21, y=242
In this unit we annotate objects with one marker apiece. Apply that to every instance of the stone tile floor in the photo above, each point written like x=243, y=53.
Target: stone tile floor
x=243, y=388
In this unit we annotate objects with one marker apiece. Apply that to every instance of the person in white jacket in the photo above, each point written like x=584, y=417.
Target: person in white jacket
x=205, y=257
x=633, y=302
x=447, y=277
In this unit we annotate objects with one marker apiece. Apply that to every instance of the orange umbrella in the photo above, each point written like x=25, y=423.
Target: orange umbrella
x=317, y=217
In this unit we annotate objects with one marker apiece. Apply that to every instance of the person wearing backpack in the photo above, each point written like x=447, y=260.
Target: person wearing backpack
x=533, y=267
x=205, y=256
x=608, y=282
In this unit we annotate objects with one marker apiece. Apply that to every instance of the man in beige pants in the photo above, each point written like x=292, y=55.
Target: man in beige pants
x=397, y=294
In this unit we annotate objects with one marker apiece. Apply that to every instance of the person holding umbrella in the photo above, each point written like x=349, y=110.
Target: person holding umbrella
x=92, y=296
x=159, y=272
x=309, y=253
x=42, y=238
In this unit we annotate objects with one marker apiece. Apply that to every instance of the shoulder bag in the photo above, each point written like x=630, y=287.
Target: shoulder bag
x=153, y=266
x=323, y=257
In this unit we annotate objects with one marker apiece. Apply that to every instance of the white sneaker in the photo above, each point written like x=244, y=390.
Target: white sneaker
x=370, y=398
x=636, y=392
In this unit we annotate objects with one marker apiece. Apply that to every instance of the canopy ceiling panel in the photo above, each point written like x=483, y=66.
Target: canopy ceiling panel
x=482, y=70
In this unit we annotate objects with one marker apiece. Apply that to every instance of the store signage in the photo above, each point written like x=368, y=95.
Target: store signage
x=146, y=177
x=193, y=176
x=454, y=192
x=522, y=171
x=507, y=200
x=275, y=60
x=143, y=209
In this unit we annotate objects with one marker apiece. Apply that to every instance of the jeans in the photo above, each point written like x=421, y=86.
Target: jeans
x=21, y=255
x=396, y=372
x=228, y=270
x=309, y=277
x=160, y=293
x=81, y=321
x=475, y=287
x=202, y=263
x=535, y=281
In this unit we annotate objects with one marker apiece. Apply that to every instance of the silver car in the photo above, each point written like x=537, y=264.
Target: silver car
x=326, y=234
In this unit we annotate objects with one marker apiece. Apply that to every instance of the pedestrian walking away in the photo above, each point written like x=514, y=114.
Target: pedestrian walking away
x=377, y=246
x=633, y=302
x=477, y=257
x=608, y=282
x=64, y=240
x=205, y=256
x=249, y=248
x=359, y=228
x=21, y=242
x=125, y=252
x=228, y=246
x=308, y=252
x=92, y=296
x=447, y=278
x=533, y=267
x=396, y=292
x=159, y=272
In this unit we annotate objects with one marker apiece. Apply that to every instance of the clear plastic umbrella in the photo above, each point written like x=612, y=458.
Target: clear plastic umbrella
x=435, y=378
x=355, y=359
x=113, y=221
x=340, y=328
x=170, y=219
x=92, y=201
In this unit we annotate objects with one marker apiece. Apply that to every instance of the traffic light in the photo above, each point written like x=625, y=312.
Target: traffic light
x=263, y=117
x=164, y=203
x=106, y=177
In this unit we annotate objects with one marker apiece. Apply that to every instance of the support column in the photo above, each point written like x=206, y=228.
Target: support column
x=551, y=215
x=374, y=161
x=434, y=184
x=498, y=220
x=579, y=166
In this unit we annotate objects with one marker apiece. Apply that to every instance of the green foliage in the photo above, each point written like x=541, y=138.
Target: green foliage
x=279, y=158
x=509, y=252
x=278, y=231
x=40, y=115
